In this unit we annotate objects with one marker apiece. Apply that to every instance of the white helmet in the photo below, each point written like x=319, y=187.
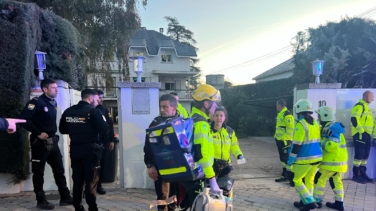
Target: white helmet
x=326, y=113
x=303, y=105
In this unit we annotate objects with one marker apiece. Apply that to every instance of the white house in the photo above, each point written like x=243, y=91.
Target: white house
x=166, y=61
x=283, y=70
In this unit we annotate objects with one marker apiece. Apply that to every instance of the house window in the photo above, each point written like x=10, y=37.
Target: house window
x=135, y=79
x=169, y=86
x=166, y=58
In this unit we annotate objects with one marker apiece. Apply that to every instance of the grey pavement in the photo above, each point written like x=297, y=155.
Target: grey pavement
x=261, y=194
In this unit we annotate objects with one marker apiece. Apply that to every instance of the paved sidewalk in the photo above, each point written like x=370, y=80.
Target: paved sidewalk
x=261, y=194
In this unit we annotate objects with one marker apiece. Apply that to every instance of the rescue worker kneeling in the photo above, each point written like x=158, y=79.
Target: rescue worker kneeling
x=334, y=161
x=83, y=122
x=225, y=142
x=164, y=190
x=305, y=155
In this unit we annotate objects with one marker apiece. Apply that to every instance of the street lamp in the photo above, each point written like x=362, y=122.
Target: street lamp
x=317, y=68
x=40, y=63
x=138, y=66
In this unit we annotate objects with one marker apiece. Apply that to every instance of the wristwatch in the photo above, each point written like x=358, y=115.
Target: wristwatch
x=149, y=165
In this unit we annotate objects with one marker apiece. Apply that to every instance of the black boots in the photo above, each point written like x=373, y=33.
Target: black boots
x=283, y=177
x=45, y=205
x=337, y=205
x=357, y=177
x=101, y=190
x=308, y=207
x=363, y=174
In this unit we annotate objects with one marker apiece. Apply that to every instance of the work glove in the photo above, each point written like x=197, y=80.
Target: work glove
x=214, y=188
x=241, y=160
x=289, y=174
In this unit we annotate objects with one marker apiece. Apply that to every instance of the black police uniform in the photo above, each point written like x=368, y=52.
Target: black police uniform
x=163, y=190
x=3, y=124
x=40, y=114
x=83, y=123
x=106, y=143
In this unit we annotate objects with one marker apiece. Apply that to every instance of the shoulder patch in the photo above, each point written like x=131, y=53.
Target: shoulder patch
x=30, y=106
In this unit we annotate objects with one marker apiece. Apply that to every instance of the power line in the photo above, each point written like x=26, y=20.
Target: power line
x=366, y=14
x=271, y=54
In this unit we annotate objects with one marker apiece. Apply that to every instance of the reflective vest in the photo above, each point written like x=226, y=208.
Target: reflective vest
x=225, y=142
x=334, y=153
x=284, y=125
x=364, y=118
x=203, y=143
x=307, y=136
x=182, y=111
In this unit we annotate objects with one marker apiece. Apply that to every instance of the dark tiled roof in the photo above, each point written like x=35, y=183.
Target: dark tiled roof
x=153, y=41
x=285, y=66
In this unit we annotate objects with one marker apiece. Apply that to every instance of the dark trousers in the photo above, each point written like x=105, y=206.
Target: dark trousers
x=39, y=156
x=192, y=188
x=85, y=172
x=283, y=150
x=164, y=190
x=362, y=149
x=102, y=162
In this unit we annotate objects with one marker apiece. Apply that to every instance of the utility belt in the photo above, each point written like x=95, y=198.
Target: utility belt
x=48, y=143
x=220, y=164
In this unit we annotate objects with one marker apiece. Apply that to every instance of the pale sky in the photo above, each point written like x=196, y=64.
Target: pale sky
x=230, y=33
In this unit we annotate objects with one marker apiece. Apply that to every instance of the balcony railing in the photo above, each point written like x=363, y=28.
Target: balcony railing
x=183, y=94
x=107, y=92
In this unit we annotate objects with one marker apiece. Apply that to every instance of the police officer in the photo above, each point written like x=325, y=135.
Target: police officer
x=283, y=135
x=108, y=142
x=83, y=122
x=40, y=114
x=361, y=129
x=164, y=190
x=182, y=111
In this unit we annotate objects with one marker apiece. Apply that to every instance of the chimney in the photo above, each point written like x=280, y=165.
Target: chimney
x=143, y=28
x=161, y=30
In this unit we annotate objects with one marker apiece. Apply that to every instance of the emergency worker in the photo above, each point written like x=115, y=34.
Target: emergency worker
x=334, y=161
x=225, y=142
x=361, y=129
x=283, y=135
x=40, y=115
x=108, y=142
x=164, y=190
x=205, y=102
x=305, y=155
x=182, y=111
x=83, y=122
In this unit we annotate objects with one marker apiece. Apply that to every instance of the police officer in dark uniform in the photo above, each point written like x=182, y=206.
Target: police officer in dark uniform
x=40, y=114
x=83, y=122
x=164, y=190
x=108, y=142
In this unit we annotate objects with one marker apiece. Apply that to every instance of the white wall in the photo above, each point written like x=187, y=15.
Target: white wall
x=133, y=172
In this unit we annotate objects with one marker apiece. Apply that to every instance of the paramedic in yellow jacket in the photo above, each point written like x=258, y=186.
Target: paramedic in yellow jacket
x=225, y=142
x=283, y=135
x=334, y=161
x=361, y=130
x=205, y=102
x=305, y=154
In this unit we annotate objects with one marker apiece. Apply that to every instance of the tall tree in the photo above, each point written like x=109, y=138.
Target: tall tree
x=180, y=33
x=347, y=47
x=106, y=27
